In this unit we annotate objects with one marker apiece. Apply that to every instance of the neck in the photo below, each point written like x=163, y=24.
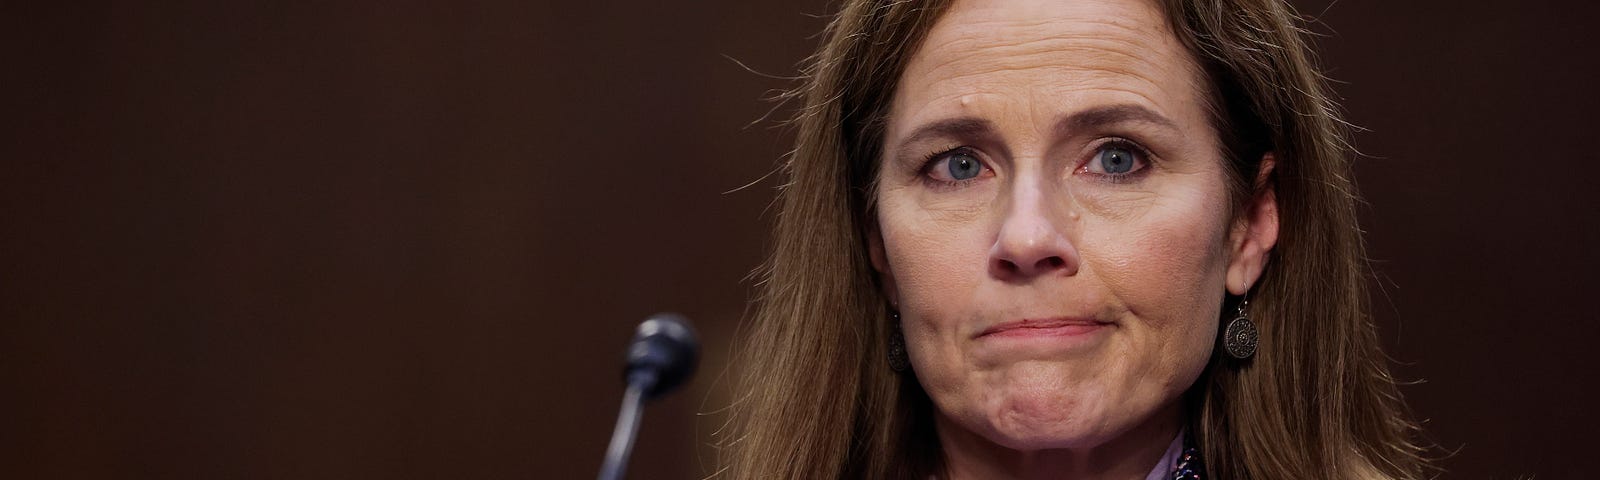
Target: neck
x=1129, y=456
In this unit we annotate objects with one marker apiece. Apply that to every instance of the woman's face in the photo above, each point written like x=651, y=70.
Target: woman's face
x=1053, y=220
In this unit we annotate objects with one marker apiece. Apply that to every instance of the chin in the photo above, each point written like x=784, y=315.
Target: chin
x=1049, y=417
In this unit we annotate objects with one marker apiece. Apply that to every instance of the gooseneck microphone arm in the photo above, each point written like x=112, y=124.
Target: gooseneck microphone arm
x=622, y=438
x=662, y=355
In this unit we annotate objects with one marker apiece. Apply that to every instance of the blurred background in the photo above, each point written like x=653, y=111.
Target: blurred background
x=410, y=239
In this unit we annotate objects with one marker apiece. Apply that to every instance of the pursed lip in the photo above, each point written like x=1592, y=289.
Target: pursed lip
x=1055, y=326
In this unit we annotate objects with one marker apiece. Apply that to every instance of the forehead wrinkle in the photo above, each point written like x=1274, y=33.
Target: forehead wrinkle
x=1081, y=60
x=990, y=103
x=1072, y=72
x=1114, y=29
x=1070, y=52
x=969, y=54
x=960, y=18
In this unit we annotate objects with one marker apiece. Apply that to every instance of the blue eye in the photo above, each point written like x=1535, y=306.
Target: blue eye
x=1116, y=159
x=963, y=166
x=956, y=166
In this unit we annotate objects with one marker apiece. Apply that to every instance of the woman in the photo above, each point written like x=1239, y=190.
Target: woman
x=1066, y=239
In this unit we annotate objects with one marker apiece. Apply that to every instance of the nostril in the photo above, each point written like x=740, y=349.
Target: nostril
x=1052, y=263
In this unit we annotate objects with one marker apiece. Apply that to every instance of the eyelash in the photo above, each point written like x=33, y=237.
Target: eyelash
x=1126, y=144
x=933, y=159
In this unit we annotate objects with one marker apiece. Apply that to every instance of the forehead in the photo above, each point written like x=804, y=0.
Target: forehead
x=1049, y=56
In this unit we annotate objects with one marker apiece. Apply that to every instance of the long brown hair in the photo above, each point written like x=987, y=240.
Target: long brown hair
x=815, y=398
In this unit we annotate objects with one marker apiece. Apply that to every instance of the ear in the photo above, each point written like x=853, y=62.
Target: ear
x=1255, y=233
x=880, y=263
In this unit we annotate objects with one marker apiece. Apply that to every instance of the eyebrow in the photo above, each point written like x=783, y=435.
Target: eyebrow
x=1093, y=118
x=960, y=127
x=1112, y=115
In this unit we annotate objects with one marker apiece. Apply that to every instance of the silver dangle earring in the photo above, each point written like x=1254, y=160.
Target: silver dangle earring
x=1240, y=337
x=898, y=361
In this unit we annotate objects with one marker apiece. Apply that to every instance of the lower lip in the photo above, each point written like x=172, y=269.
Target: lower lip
x=1069, y=330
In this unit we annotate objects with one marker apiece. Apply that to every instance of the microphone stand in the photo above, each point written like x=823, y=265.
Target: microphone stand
x=616, y=462
x=661, y=357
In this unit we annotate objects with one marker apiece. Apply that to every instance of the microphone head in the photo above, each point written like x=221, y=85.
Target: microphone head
x=663, y=346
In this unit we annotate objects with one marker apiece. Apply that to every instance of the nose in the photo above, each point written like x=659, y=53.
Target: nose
x=1032, y=240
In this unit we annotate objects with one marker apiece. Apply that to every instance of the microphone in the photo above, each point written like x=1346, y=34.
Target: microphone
x=661, y=356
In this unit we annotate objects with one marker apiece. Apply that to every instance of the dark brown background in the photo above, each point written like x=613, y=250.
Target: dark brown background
x=409, y=239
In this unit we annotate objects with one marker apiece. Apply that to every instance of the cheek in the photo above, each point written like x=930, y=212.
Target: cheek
x=1167, y=266
x=931, y=258
x=1146, y=266
x=937, y=258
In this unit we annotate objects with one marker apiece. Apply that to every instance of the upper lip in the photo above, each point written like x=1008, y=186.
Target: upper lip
x=1052, y=322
